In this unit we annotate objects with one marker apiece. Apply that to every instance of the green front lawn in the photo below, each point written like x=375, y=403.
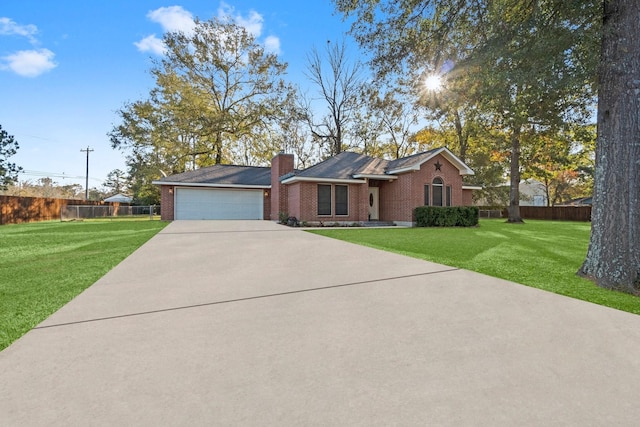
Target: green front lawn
x=541, y=254
x=46, y=264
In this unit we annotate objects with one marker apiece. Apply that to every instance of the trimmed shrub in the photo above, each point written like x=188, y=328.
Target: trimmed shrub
x=283, y=217
x=453, y=216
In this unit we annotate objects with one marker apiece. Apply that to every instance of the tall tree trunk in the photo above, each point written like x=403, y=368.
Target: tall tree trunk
x=463, y=137
x=338, y=141
x=218, y=148
x=613, y=257
x=547, y=190
x=514, y=186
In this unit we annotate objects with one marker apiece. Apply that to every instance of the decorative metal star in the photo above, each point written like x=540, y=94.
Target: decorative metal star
x=438, y=166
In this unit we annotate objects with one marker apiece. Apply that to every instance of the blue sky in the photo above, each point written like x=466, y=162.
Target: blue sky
x=66, y=66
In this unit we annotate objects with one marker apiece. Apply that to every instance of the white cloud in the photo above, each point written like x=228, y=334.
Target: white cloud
x=173, y=18
x=151, y=44
x=30, y=63
x=252, y=23
x=9, y=27
x=272, y=44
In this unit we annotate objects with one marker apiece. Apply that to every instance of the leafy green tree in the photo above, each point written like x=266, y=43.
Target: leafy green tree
x=8, y=171
x=143, y=170
x=97, y=194
x=116, y=182
x=215, y=89
x=560, y=162
x=526, y=66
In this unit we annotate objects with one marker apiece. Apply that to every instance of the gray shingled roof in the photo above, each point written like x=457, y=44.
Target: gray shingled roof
x=340, y=166
x=375, y=167
x=406, y=162
x=347, y=164
x=223, y=174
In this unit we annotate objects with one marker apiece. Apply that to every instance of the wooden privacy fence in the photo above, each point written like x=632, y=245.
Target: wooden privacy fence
x=16, y=209
x=562, y=213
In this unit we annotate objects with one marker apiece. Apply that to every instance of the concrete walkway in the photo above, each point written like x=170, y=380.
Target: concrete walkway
x=251, y=323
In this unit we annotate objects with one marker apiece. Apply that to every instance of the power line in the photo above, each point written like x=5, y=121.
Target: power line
x=62, y=175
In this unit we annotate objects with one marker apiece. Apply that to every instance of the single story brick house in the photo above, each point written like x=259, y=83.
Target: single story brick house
x=345, y=188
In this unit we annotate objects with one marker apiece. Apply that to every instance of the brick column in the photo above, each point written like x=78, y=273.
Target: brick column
x=281, y=164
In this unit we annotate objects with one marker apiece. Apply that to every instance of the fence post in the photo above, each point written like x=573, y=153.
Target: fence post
x=151, y=207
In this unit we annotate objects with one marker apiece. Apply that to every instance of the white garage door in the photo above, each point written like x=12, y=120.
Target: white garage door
x=193, y=203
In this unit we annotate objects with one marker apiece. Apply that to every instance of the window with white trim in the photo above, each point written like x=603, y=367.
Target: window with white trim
x=438, y=187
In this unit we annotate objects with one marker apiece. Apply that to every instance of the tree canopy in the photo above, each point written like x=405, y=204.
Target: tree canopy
x=526, y=66
x=213, y=89
x=8, y=171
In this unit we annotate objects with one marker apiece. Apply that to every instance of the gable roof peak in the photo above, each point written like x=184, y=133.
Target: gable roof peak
x=415, y=161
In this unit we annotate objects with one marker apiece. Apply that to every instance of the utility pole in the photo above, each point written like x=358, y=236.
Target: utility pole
x=86, y=183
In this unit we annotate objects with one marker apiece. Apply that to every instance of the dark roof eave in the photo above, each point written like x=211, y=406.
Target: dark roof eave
x=210, y=185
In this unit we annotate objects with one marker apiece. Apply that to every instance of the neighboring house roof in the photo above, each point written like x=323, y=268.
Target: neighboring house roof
x=222, y=176
x=582, y=201
x=119, y=198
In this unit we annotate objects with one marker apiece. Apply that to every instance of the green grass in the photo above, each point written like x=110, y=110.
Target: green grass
x=541, y=254
x=46, y=264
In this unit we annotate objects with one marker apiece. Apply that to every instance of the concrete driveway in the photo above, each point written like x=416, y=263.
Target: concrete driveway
x=252, y=323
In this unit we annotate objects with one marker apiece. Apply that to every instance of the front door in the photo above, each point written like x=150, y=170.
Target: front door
x=374, y=211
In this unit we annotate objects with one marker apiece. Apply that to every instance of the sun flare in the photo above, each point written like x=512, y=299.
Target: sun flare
x=433, y=83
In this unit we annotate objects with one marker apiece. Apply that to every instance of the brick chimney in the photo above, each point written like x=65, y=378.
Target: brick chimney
x=281, y=164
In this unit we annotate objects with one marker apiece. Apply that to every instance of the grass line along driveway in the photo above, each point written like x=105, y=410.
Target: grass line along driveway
x=541, y=254
x=44, y=265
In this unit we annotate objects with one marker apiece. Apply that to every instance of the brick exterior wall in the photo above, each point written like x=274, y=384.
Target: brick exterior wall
x=303, y=203
x=294, y=204
x=398, y=198
x=266, y=206
x=166, y=202
x=281, y=164
x=467, y=197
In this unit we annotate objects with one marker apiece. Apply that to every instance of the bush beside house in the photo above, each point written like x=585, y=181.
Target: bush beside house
x=454, y=216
